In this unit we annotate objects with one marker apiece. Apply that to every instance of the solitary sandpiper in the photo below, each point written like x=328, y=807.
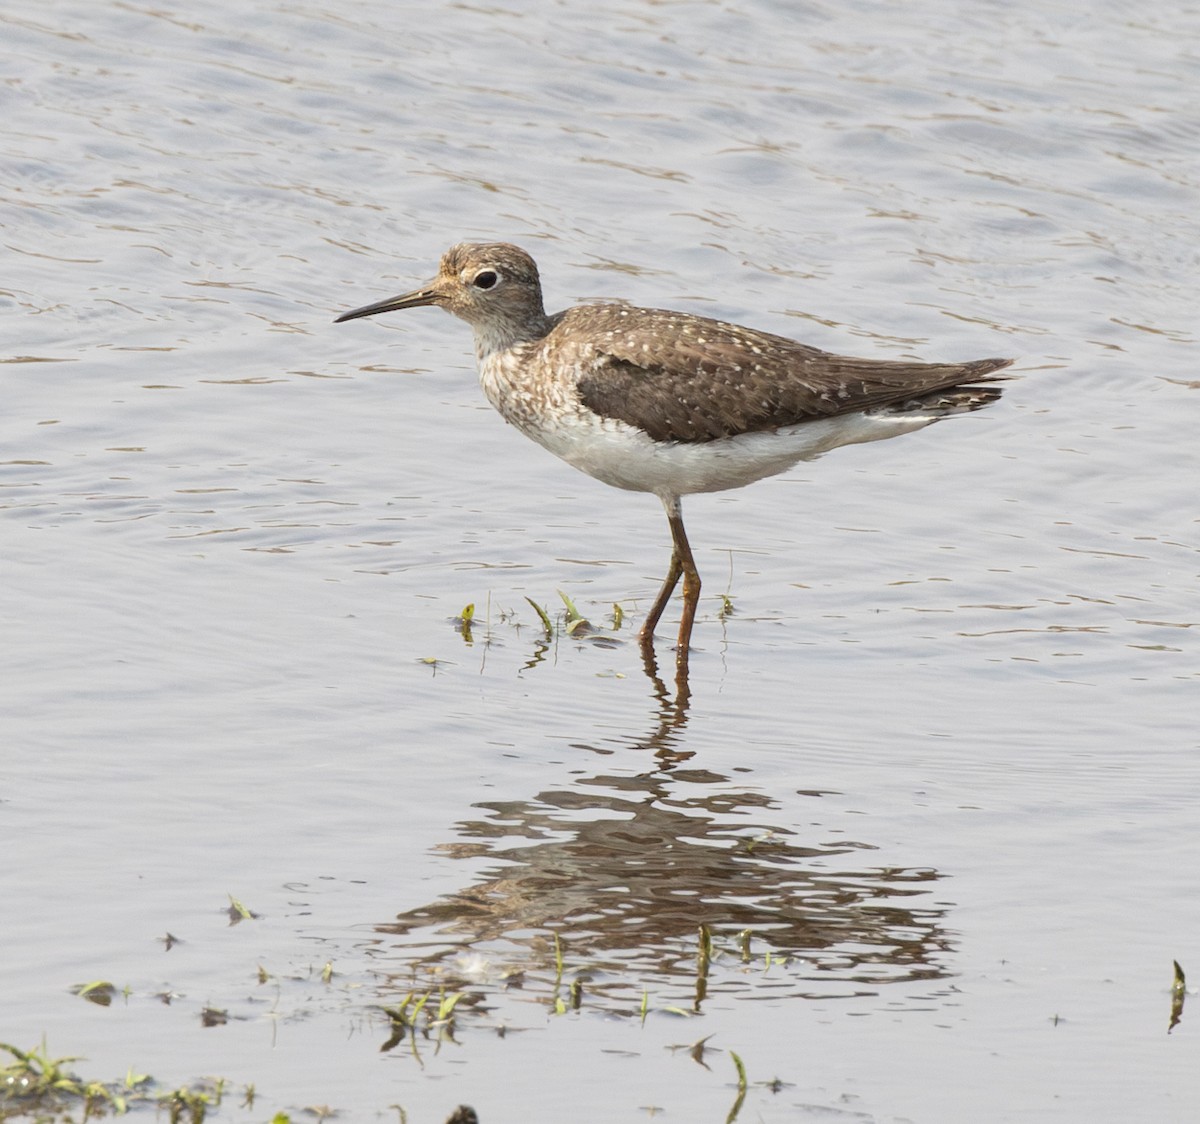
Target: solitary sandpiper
x=673, y=403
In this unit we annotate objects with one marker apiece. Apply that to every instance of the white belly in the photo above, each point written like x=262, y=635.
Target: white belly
x=625, y=457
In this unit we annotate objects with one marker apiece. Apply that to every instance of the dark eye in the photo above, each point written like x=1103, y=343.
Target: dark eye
x=486, y=280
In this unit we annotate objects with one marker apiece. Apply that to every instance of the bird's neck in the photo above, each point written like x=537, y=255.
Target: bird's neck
x=503, y=334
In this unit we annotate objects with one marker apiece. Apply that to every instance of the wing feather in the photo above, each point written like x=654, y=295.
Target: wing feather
x=681, y=377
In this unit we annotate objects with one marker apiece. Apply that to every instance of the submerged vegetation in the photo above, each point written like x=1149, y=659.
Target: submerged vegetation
x=36, y=1086
x=1178, y=995
x=570, y=623
x=415, y=1016
x=550, y=627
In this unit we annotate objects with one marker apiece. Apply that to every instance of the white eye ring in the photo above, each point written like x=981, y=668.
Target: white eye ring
x=486, y=279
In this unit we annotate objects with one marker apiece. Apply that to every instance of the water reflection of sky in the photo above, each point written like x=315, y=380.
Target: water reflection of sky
x=937, y=749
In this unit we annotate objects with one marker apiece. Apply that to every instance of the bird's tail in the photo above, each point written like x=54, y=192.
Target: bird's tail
x=943, y=403
x=959, y=399
x=983, y=368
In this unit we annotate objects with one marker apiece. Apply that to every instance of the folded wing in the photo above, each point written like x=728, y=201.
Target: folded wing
x=685, y=378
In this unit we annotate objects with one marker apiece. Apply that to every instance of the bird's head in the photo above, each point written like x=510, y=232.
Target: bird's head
x=493, y=286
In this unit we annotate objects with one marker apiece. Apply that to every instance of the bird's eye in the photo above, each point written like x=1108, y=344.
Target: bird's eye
x=486, y=280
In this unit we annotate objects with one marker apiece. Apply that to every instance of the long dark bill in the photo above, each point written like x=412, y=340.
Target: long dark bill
x=415, y=299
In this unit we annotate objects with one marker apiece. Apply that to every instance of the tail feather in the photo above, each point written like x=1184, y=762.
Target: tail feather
x=981, y=368
x=943, y=403
x=962, y=397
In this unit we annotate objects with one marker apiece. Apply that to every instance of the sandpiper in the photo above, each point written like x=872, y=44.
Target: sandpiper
x=672, y=403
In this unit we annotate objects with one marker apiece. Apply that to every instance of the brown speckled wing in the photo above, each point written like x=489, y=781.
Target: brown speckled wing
x=686, y=378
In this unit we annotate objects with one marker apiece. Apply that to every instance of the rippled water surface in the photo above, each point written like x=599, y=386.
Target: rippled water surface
x=932, y=783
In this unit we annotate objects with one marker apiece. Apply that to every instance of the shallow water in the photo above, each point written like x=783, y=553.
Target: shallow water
x=940, y=756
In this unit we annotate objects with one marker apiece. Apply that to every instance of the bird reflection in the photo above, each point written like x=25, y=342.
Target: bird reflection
x=627, y=869
x=672, y=710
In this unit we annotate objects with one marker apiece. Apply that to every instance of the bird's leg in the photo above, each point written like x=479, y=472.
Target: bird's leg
x=674, y=573
x=682, y=565
x=691, y=580
x=646, y=636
